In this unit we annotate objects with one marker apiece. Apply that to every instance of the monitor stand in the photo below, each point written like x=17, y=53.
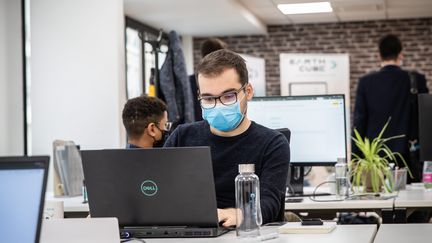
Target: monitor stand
x=296, y=182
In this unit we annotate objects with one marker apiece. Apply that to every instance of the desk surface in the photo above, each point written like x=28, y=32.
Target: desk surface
x=308, y=204
x=408, y=198
x=71, y=204
x=342, y=234
x=403, y=233
x=328, y=203
x=414, y=198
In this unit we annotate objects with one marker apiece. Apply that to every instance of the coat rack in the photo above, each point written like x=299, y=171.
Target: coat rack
x=156, y=49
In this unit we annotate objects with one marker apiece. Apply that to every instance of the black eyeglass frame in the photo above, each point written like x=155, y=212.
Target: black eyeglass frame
x=167, y=127
x=218, y=97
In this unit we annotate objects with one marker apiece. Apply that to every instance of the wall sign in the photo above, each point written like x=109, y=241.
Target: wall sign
x=256, y=70
x=313, y=74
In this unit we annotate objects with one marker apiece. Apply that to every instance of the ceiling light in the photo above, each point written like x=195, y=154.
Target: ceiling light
x=303, y=8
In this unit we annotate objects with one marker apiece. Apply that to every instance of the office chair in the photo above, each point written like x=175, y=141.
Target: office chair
x=281, y=215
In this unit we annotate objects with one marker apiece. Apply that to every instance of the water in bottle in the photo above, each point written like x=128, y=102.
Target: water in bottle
x=248, y=207
x=341, y=178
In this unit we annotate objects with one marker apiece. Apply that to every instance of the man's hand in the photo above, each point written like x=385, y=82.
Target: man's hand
x=227, y=216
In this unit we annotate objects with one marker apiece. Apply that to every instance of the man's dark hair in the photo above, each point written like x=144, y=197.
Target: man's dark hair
x=139, y=112
x=216, y=62
x=389, y=47
x=210, y=45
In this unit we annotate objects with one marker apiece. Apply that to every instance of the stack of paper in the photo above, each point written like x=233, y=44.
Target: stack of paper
x=68, y=167
x=297, y=228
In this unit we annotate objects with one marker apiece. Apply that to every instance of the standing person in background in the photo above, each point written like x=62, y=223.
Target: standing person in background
x=208, y=46
x=387, y=93
x=146, y=122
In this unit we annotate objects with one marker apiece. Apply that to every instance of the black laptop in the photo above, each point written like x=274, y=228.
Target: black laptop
x=161, y=192
x=22, y=197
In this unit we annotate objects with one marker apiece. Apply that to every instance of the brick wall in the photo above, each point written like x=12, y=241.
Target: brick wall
x=358, y=39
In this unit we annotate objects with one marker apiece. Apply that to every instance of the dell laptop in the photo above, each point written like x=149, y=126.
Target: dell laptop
x=22, y=196
x=160, y=192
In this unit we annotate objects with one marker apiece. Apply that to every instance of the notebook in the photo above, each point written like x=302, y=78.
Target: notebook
x=297, y=228
x=82, y=230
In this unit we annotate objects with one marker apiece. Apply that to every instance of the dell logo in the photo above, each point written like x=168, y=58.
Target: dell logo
x=149, y=188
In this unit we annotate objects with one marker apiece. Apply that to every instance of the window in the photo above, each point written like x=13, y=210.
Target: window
x=134, y=64
x=141, y=58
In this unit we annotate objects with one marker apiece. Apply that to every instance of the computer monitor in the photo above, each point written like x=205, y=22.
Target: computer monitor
x=22, y=196
x=317, y=124
x=425, y=126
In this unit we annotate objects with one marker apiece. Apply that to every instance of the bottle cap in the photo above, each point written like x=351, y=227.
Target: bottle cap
x=246, y=168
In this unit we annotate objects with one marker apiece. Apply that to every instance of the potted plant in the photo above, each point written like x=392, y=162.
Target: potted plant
x=371, y=168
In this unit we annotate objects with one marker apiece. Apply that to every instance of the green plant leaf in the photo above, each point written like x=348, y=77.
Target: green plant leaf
x=375, y=160
x=384, y=128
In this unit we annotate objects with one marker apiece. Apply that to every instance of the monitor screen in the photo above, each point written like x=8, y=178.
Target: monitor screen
x=425, y=126
x=20, y=203
x=317, y=124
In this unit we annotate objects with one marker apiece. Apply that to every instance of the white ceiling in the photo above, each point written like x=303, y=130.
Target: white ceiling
x=239, y=17
x=196, y=17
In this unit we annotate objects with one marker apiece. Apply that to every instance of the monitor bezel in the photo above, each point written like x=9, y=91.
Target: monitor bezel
x=30, y=162
x=306, y=97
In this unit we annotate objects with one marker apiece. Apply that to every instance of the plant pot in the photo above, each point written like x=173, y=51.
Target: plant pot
x=367, y=183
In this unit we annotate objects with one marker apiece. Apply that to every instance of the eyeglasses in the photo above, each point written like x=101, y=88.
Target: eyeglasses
x=228, y=98
x=167, y=127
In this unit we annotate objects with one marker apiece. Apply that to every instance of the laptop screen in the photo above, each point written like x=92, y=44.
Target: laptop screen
x=21, y=190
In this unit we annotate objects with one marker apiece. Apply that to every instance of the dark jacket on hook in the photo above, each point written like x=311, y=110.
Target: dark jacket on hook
x=174, y=83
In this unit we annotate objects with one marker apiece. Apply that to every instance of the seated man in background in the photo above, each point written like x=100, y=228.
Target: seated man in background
x=146, y=122
x=234, y=139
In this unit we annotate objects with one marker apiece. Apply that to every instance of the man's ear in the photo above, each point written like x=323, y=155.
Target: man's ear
x=151, y=129
x=249, y=91
x=400, y=57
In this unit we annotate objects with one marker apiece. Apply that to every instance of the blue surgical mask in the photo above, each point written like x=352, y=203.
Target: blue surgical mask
x=224, y=118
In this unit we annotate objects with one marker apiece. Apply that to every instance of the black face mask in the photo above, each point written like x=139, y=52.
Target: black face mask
x=160, y=143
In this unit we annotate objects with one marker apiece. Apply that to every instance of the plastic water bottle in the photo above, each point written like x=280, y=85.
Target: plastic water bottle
x=427, y=175
x=341, y=178
x=248, y=207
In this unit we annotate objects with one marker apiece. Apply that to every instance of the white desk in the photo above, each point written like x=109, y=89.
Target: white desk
x=410, y=200
x=308, y=204
x=71, y=204
x=414, y=198
x=324, y=204
x=403, y=233
x=382, y=207
x=342, y=234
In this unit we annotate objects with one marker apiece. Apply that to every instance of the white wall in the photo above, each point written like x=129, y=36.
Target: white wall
x=11, y=108
x=78, y=76
x=3, y=84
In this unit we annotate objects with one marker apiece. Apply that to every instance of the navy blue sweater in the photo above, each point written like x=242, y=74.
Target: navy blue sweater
x=266, y=148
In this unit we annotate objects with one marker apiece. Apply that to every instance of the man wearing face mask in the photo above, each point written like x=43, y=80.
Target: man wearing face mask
x=146, y=122
x=234, y=139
